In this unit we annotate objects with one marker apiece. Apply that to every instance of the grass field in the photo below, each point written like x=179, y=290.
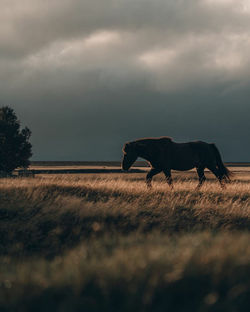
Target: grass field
x=103, y=242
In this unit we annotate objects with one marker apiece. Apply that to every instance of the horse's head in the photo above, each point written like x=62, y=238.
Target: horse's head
x=129, y=155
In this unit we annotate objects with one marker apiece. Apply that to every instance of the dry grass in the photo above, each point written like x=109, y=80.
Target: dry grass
x=104, y=242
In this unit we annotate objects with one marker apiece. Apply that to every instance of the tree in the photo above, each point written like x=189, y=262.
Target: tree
x=15, y=148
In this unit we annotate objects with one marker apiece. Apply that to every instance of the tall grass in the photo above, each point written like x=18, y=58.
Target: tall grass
x=106, y=243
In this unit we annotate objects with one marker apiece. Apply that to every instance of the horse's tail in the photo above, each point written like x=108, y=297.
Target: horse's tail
x=223, y=170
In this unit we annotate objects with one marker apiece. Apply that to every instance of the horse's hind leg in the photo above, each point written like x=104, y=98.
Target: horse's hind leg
x=216, y=172
x=202, y=178
x=150, y=175
x=167, y=173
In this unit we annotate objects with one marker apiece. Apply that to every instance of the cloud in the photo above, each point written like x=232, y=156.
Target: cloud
x=107, y=71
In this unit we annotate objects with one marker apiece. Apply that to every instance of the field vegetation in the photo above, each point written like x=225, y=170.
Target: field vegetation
x=104, y=242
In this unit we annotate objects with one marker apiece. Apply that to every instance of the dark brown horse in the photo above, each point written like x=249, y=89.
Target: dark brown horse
x=163, y=155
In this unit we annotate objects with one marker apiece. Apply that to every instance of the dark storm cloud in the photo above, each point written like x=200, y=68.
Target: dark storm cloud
x=86, y=76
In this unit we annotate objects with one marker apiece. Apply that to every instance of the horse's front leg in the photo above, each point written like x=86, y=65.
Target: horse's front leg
x=168, y=176
x=150, y=175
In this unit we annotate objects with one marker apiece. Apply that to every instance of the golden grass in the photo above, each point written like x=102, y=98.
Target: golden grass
x=104, y=242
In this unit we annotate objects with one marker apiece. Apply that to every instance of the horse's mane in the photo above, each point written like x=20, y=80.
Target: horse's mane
x=163, y=138
x=145, y=141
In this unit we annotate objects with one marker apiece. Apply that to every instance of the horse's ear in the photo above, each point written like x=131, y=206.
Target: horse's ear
x=126, y=147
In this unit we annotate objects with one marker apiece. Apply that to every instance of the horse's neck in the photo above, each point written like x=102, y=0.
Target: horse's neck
x=146, y=154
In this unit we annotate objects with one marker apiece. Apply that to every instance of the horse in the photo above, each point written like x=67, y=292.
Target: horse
x=163, y=154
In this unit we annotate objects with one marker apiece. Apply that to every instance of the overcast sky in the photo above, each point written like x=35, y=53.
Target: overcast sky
x=87, y=75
